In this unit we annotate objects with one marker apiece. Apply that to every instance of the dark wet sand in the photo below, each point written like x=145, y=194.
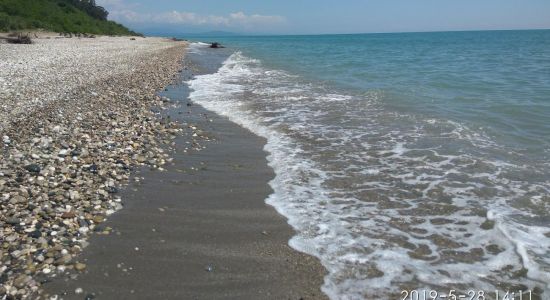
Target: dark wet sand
x=181, y=221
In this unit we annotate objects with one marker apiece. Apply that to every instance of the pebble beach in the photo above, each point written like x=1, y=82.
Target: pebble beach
x=75, y=119
x=114, y=185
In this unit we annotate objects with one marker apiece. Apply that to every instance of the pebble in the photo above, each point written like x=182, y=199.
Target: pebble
x=80, y=267
x=98, y=219
x=111, y=190
x=68, y=215
x=76, y=152
x=63, y=260
x=33, y=168
x=17, y=199
x=35, y=234
x=13, y=221
x=93, y=168
x=21, y=281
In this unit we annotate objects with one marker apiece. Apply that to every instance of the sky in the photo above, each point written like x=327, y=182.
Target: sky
x=326, y=17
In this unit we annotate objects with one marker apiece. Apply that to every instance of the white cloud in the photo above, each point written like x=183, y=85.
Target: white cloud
x=237, y=19
x=125, y=13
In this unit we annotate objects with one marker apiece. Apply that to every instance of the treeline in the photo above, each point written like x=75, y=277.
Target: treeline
x=89, y=7
x=68, y=16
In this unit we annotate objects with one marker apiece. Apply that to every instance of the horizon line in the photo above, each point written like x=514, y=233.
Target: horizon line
x=356, y=33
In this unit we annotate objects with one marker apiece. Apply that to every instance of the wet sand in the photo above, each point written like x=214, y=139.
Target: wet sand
x=199, y=230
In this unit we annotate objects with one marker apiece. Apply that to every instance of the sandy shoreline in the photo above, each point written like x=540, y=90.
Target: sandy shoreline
x=199, y=230
x=71, y=133
x=71, y=137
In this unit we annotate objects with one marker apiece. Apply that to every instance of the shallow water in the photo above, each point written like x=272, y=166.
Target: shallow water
x=404, y=161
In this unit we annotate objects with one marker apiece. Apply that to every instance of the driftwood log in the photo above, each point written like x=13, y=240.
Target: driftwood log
x=19, y=39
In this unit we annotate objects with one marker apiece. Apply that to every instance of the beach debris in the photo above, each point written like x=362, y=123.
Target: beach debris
x=19, y=39
x=216, y=45
x=209, y=268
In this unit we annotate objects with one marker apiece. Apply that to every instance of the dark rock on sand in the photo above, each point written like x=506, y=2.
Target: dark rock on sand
x=89, y=297
x=111, y=190
x=216, y=45
x=35, y=234
x=13, y=221
x=76, y=152
x=93, y=169
x=33, y=168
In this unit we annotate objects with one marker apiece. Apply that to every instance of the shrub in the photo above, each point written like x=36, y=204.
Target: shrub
x=59, y=16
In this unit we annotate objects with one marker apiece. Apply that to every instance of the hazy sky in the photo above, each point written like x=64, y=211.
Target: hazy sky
x=323, y=16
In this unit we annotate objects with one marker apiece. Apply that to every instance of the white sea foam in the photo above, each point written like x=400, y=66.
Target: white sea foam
x=385, y=200
x=196, y=47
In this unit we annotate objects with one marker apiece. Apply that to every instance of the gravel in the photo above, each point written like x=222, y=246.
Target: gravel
x=75, y=118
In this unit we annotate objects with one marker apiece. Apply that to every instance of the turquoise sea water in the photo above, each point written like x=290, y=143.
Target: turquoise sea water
x=497, y=79
x=404, y=161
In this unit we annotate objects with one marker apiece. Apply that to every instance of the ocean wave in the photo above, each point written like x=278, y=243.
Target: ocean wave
x=386, y=200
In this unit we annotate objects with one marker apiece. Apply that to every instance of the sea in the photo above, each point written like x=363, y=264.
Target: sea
x=412, y=165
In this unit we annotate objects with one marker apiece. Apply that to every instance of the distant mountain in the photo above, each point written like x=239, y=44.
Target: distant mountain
x=213, y=33
x=73, y=16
